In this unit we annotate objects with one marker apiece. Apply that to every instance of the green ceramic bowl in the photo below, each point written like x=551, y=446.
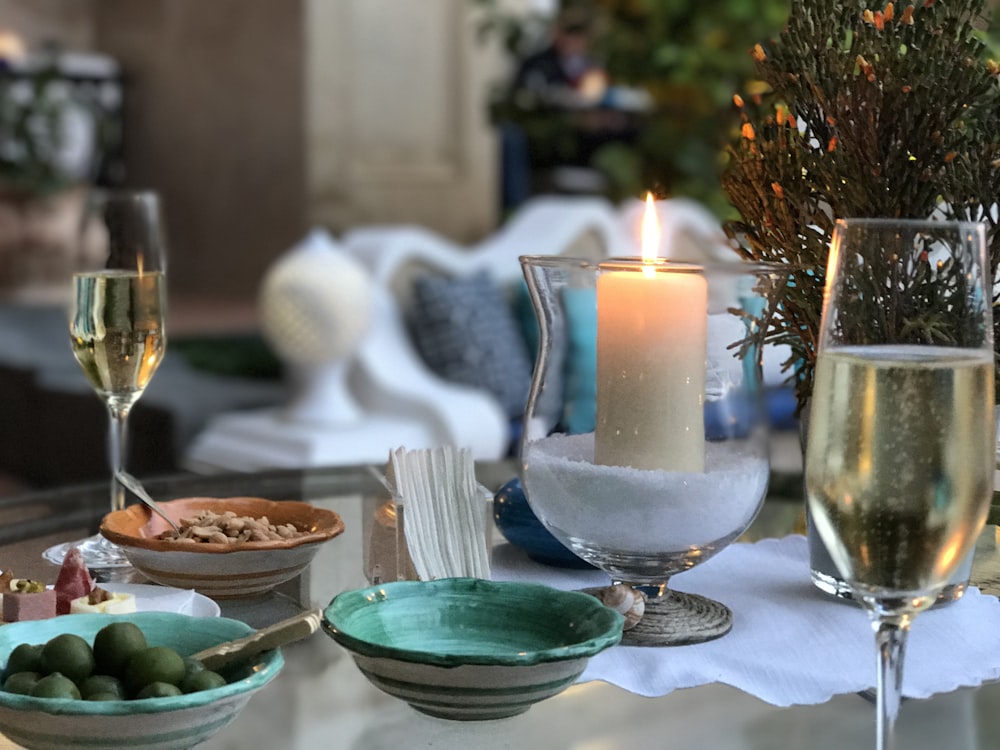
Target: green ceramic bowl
x=154, y=723
x=465, y=648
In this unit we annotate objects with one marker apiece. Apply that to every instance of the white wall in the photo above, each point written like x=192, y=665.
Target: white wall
x=396, y=119
x=259, y=118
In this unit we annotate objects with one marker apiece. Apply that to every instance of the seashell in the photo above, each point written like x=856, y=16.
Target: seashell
x=623, y=599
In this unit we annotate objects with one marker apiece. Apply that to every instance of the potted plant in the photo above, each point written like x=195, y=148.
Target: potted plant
x=686, y=56
x=54, y=135
x=891, y=111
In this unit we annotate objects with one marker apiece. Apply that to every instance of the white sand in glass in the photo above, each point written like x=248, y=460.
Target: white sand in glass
x=634, y=510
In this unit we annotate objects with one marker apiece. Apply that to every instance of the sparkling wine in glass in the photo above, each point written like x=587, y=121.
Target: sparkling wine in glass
x=899, y=465
x=116, y=322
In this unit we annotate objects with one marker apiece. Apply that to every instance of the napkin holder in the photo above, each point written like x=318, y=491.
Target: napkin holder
x=388, y=555
x=387, y=558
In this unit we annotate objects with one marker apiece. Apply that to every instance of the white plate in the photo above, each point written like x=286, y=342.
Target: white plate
x=152, y=598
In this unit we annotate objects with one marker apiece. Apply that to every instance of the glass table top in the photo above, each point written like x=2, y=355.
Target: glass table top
x=321, y=699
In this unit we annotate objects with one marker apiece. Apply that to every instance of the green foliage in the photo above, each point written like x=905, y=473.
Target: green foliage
x=688, y=55
x=29, y=125
x=893, y=112
x=33, y=119
x=906, y=299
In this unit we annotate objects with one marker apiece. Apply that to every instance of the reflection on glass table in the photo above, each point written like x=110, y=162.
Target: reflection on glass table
x=322, y=700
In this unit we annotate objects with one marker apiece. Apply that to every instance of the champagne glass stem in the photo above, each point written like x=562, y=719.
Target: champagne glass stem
x=890, y=642
x=116, y=452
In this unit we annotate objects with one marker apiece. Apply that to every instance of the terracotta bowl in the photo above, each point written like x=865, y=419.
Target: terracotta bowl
x=221, y=571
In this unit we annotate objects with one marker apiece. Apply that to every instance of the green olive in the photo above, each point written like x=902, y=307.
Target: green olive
x=158, y=690
x=21, y=682
x=56, y=685
x=155, y=664
x=69, y=654
x=203, y=680
x=98, y=684
x=103, y=697
x=115, y=644
x=26, y=657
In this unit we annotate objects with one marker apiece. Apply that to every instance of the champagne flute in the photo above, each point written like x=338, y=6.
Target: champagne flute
x=116, y=326
x=899, y=465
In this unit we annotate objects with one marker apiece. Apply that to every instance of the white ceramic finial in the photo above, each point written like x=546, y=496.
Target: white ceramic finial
x=315, y=306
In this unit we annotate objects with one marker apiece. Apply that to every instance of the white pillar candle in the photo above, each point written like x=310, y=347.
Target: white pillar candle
x=651, y=351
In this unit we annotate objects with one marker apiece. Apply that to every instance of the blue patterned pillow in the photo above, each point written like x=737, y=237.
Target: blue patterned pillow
x=466, y=332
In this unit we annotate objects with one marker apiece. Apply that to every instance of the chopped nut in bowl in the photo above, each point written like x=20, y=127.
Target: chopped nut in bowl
x=229, y=528
x=228, y=547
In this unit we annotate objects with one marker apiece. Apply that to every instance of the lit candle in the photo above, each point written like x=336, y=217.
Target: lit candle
x=651, y=349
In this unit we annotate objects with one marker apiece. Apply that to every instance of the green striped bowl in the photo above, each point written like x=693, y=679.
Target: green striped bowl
x=172, y=723
x=465, y=648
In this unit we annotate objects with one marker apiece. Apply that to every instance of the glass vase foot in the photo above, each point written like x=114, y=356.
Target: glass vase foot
x=680, y=619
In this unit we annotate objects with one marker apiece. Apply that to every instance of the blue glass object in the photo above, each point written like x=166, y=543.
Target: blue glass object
x=521, y=527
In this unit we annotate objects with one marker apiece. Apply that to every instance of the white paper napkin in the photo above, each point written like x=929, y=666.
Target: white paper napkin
x=790, y=643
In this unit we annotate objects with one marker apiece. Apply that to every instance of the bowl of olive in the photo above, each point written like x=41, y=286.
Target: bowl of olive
x=113, y=681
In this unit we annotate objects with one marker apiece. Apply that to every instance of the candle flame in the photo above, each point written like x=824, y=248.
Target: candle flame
x=139, y=264
x=650, y=231
x=650, y=235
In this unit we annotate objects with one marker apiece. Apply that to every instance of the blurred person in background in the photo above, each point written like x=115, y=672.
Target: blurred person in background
x=563, y=73
x=562, y=110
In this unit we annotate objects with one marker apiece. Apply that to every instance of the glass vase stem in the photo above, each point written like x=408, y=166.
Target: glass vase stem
x=890, y=642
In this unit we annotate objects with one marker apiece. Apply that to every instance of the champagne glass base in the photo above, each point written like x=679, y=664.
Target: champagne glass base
x=824, y=574
x=831, y=585
x=842, y=590
x=680, y=619
x=105, y=560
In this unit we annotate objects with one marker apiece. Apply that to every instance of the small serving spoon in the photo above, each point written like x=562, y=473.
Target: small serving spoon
x=135, y=487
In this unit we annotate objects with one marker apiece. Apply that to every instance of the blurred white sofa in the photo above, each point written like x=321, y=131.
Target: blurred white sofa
x=401, y=401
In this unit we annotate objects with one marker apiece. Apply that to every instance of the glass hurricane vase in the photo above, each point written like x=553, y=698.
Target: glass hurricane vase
x=645, y=448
